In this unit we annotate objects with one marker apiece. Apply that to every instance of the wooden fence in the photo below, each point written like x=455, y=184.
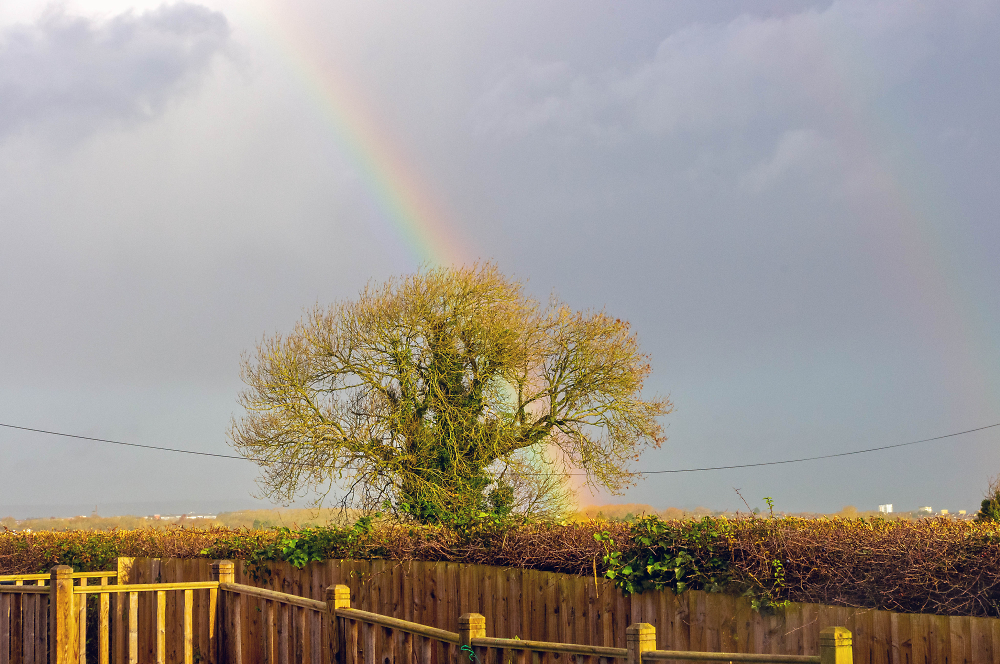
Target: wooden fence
x=546, y=606
x=24, y=614
x=178, y=623
x=324, y=631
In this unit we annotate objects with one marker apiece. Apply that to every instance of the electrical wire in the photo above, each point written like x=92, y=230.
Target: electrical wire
x=118, y=442
x=646, y=472
x=824, y=456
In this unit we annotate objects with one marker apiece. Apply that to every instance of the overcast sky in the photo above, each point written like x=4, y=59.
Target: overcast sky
x=794, y=203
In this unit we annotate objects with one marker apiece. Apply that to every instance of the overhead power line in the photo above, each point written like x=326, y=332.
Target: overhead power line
x=645, y=472
x=118, y=442
x=824, y=456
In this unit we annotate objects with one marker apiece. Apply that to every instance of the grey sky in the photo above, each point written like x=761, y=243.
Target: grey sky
x=794, y=204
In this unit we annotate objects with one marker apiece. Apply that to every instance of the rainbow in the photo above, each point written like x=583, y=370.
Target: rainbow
x=406, y=202
x=907, y=209
x=902, y=204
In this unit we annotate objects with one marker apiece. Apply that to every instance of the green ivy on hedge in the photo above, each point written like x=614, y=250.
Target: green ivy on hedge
x=683, y=555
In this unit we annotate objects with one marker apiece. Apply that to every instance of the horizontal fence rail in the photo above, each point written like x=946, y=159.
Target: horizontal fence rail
x=4, y=578
x=271, y=595
x=145, y=587
x=20, y=590
x=517, y=651
x=728, y=657
x=388, y=622
x=545, y=646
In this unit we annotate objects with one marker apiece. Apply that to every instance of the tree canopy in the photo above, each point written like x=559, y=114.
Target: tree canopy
x=447, y=393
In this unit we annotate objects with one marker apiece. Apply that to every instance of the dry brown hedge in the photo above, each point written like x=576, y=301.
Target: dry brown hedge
x=939, y=566
x=928, y=566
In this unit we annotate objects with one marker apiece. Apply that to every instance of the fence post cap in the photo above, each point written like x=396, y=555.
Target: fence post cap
x=340, y=595
x=471, y=619
x=639, y=628
x=835, y=636
x=61, y=572
x=223, y=571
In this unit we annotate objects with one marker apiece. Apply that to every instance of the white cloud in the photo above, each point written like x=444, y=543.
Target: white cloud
x=813, y=64
x=799, y=152
x=75, y=74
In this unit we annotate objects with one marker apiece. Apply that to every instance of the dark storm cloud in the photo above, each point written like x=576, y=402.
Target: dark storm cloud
x=80, y=73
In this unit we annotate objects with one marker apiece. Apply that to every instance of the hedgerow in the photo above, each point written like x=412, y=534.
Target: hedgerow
x=927, y=566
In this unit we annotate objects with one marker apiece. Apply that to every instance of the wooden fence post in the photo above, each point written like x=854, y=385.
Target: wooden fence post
x=63, y=639
x=639, y=637
x=123, y=576
x=835, y=646
x=470, y=626
x=226, y=643
x=337, y=597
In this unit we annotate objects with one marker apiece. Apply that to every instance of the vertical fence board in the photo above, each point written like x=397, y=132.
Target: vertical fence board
x=284, y=633
x=104, y=626
x=270, y=632
x=943, y=641
x=161, y=627
x=298, y=633
x=81, y=622
x=550, y=606
x=979, y=633
x=810, y=629
x=919, y=635
x=581, y=617
x=515, y=611
x=5, y=628
x=864, y=627
x=959, y=637
x=995, y=630
x=696, y=620
x=28, y=636
x=881, y=647
x=133, y=628
x=727, y=622
x=369, y=643
x=42, y=646
x=16, y=627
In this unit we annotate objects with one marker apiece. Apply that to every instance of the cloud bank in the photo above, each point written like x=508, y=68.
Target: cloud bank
x=706, y=75
x=76, y=74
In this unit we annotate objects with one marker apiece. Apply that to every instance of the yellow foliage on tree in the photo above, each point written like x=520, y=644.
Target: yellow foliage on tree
x=445, y=394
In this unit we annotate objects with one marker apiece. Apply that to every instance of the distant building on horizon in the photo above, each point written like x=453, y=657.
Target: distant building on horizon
x=925, y=510
x=885, y=509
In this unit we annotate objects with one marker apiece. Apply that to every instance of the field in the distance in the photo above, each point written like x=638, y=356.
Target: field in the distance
x=301, y=518
x=252, y=519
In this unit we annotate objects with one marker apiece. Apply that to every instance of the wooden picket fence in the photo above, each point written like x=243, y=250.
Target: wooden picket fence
x=320, y=632
x=24, y=613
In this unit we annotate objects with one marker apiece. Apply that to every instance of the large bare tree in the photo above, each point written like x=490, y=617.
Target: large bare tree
x=446, y=393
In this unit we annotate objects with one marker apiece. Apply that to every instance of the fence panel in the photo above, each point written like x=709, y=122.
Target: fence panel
x=546, y=606
x=24, y=618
